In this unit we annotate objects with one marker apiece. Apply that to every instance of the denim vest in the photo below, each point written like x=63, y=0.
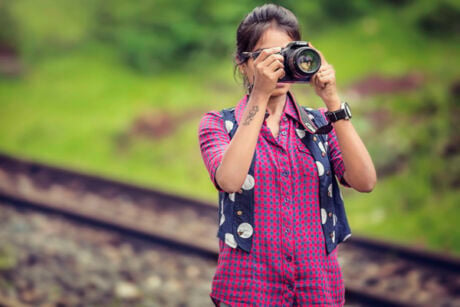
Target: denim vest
x=236, y=210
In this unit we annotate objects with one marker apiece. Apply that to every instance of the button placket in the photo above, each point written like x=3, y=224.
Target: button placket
x=286, y=215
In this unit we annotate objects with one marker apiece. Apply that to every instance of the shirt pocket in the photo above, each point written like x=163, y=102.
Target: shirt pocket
x=305, y=163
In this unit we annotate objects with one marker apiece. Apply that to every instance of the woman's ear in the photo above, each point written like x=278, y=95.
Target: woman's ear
x=242, y=69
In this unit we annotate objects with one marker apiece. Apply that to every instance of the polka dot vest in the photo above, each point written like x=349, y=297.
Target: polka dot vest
x=236, y=219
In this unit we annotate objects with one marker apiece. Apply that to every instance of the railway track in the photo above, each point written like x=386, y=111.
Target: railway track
x=376, y=273
x=47, y=260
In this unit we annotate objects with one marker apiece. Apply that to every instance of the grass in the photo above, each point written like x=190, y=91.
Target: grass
x=76, y=110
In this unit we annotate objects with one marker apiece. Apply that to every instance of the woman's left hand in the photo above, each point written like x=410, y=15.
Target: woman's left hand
x=323, y=81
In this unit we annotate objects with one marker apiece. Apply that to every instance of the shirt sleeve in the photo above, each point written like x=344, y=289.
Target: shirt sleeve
x=213, y=139
x=335, y=154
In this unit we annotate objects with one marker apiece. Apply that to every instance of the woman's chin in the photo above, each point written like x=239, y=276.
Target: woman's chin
x=281, y=89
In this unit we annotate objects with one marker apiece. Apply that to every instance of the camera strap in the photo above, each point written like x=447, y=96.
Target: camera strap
x=307, y=120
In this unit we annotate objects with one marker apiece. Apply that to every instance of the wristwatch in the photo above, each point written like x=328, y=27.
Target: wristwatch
x=343, y=113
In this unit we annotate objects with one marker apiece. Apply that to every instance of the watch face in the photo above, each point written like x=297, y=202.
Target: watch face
x=347, y=110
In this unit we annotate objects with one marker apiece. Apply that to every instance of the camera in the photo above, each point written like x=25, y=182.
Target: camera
x=300, y=62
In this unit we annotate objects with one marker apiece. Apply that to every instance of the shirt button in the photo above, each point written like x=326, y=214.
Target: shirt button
x=289, y=258
x=330, y=214
x=283, y=133
x=314, y=138
x=287, y=231
x=284, y=173
x=239, y=212
x=285, y=118
x=289, y=286
x=323, y=154
x=328, y=172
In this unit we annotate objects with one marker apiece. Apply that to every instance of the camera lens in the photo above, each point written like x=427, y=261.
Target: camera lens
x=307, y=61
x=303, y=62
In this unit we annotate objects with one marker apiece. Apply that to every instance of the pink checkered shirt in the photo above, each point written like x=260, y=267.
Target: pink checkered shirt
x=288, y=264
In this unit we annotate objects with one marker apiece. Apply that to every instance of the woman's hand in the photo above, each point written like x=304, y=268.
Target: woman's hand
x=324, y=83
x=268, y=68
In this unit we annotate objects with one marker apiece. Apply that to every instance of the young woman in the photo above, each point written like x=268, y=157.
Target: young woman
x=287, y=262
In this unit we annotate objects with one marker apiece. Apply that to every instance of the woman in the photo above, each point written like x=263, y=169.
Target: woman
x=286, y=262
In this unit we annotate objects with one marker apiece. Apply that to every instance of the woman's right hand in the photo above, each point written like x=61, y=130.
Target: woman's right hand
x=268, y=69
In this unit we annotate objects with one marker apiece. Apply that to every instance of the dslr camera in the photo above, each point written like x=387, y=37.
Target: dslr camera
x=301, y=62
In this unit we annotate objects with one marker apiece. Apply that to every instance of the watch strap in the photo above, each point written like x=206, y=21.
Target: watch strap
x=339, y=114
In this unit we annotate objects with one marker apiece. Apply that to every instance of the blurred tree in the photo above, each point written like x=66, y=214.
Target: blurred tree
x=153, y=35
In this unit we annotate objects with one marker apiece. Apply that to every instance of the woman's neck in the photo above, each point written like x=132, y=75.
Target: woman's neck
x=275, y=105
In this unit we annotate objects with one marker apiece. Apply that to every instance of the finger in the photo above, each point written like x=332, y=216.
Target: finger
x=330, y=79
x=275, y=65
x=317, y=83
x=280, y=73
x=266, y=53
x=325, y=68
x=326, y=72
x=272, y=58
x=326, y=76
x=313, y=80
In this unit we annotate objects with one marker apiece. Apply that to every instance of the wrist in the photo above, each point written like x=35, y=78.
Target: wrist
x=333, y=104
x=260, y=96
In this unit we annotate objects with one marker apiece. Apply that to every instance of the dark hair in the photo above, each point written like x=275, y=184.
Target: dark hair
x=256, y=22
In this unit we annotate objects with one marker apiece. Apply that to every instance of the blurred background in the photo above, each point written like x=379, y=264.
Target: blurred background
x=117, y=88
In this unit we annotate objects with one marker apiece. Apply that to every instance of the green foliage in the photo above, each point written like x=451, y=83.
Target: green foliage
x=155, y=35
x=47, y=26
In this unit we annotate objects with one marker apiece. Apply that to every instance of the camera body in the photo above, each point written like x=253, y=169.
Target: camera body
x=301, y=62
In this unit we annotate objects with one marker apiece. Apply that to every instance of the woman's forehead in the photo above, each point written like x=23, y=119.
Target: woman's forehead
x=273, y=37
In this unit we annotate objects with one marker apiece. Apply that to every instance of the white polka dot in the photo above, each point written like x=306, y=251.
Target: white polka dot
x=245, y=230
x=248, y=182
x=311, y=116
x=232, y=196
x=334, y=219
x=310, y=127
x=300, y=133
x=228, y=126
x=222, y=219
x=230, y=240
x=321, y=147
x=320, y=168
x=329, y=190
x=323, y=216
x=333, y=236
x=346, y=237
x=222, y=216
